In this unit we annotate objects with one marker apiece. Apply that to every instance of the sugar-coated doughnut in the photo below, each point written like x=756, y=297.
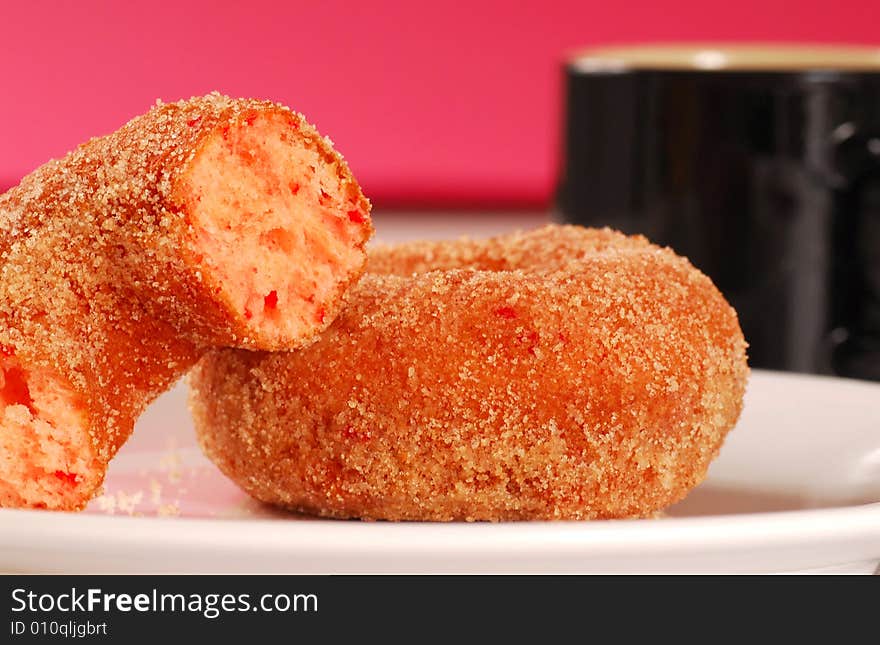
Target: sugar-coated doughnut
x=207, y=222
x=564, y=373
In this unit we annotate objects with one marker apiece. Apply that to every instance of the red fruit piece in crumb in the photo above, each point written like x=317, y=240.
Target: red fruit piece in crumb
x=271, y=300
x=14, y=388
x=320, y=314
x=70, y=478
x=357, y=217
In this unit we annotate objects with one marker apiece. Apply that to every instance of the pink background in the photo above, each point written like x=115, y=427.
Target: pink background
x=431, y=104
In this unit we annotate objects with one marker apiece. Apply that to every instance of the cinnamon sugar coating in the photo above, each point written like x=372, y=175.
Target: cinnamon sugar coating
x=113, y=281
x=564, y=373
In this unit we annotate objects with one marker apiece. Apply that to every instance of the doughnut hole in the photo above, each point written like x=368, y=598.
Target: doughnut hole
x=46, y=453
x=280, y=231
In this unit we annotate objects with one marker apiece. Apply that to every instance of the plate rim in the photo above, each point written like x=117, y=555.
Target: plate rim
x=820, y=536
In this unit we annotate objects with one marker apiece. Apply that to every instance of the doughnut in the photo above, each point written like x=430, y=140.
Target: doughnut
x=563, y=373
x=208, y=222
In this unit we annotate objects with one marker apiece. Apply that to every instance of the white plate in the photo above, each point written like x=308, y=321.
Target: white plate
x=796, y=487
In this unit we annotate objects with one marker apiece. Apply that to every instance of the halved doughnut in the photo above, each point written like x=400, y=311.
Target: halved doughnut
x=207, y=222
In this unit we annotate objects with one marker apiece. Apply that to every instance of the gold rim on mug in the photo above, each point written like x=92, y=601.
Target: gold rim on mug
x=735, y=57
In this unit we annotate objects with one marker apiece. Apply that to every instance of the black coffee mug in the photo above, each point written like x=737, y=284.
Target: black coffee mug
x=761, y=165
